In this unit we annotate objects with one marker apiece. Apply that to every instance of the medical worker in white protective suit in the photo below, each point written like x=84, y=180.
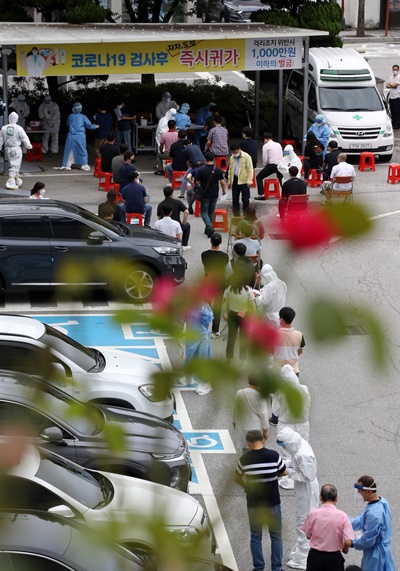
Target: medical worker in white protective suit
x=280, y=409
x=165, y=105
x=12, y=136
x=162, y=126
x=21, y=108
x=272, y=295
x=290, y=159
x=75, y=145
x=49, y=113
x=302, y=468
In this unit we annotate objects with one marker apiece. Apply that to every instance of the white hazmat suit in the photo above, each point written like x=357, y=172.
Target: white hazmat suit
x=49, y=113
x=302, y=468
x=162, y=126
x=21, y=108
x=165, y=105
x=272, y=294
x=11, y=138
x=290, y=159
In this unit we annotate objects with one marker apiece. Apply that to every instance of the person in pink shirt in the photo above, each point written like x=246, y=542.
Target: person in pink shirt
x=167, y=139
x=327, y=529
x=272, y=155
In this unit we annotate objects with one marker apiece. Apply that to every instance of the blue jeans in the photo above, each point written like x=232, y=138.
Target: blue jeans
x=168, y=170
x=256, y=517
x=207, y=209
x=126, y=137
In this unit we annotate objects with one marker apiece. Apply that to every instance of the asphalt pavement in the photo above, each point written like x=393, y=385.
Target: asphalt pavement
x=355, y=410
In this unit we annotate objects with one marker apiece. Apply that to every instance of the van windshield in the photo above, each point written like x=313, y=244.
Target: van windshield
x=350, y=99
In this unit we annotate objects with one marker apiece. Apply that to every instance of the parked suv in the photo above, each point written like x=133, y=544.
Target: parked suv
x=238, y=11
x=38, y=236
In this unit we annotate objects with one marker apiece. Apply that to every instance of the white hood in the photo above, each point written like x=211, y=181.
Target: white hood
x=302, y=455
x=13, y=118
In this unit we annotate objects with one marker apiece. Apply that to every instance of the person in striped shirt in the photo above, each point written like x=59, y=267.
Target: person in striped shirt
x=257, y=472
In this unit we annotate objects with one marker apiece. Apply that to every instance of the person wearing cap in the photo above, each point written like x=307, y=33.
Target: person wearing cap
x=376, y=524
x=49, y=114
x=21, y=108
x=75, y=145
x=214, y=262
x=290, y=159
x=165, y=105
x=328, y=531
x=302, y=468
x=321, y=130
x=183, y=121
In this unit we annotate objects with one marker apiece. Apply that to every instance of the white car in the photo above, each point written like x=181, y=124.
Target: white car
x=103, y=377
x=45, y=481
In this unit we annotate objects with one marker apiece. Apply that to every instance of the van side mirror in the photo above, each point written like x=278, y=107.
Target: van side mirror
x=52, y=434
x=62, y=510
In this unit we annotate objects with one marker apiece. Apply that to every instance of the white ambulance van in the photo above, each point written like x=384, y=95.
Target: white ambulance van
x=341, y=87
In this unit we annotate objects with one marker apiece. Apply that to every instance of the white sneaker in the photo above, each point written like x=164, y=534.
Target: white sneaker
x=19, y=181
x=215, y=335
x=186, y=247
x=85, y=168
x=185, y=382
x=11, y=184
x=203, y=389
x=67, y=168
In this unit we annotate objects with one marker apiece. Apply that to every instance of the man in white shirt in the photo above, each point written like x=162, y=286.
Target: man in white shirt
x=167, y=225
x=271, y=156
x=250, y=412
x=394, y=96
x=341, y=169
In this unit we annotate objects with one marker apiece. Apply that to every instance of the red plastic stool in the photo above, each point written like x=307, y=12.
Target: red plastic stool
x=221, y=162
x=177, y=177
x=254, y=183
x=134, y=216
x=302, y=163
x=314, y=178
x=118, y=196
x=197, y=209
x=393, y=173
x=288, y=142
x=367, y=162
x=35, y=153
x=105, y=182
x=275, y=192
x=97, y=168
x=220, y=220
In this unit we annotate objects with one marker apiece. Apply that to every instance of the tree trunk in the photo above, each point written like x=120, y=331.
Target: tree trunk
x=361, y=19
x=148, y=79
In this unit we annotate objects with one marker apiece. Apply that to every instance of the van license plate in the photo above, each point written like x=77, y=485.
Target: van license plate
x=361, y=146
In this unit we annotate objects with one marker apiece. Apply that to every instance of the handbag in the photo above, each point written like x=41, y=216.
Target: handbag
x=200, y=191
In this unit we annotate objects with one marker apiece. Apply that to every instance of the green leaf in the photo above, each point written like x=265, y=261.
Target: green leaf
x=115, y=437
x=378, y=343
x=351, y=219
x=326, y=320
x=294, y=399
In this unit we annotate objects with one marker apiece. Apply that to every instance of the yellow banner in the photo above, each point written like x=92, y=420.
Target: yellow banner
x=123, y=58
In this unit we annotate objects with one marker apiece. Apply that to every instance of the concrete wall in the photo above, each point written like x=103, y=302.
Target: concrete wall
x=372, y=13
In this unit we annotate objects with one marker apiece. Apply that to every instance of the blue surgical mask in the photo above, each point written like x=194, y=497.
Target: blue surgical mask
x=283, y=444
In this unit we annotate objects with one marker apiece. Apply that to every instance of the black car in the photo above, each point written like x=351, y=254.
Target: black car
x=152, y=449
x=41, y=541
x=38, y=237
x=237, y=11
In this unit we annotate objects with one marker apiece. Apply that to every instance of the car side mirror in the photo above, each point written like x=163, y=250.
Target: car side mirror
x=95, y=239
x=62, y=510
x=52, y=434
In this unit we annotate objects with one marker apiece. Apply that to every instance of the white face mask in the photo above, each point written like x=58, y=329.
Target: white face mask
x=395, y=72
x=42, y=191
x=236, y=155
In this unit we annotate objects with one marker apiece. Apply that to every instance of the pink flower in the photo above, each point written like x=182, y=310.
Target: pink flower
x=163, y=294
x=314, y=228
x=262, y=333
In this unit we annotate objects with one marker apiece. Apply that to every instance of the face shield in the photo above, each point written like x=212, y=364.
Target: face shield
x=358, y=497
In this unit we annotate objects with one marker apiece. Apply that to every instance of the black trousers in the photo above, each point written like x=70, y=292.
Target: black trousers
x=395, y=112
x=325, y=561
x=264, y=173
x=238, y=189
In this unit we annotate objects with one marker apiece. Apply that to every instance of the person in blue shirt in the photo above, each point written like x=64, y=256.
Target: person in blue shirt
x=182, y=119
x=376, y=524
x=135, y=198
x=201, y=117
x=199, y=346
x=105, y=121
x=75, y=144
x=321, y=130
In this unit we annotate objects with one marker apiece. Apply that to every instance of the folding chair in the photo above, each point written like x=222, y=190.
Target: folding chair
x=232, y=230
x=297, y=205
x=343, y=193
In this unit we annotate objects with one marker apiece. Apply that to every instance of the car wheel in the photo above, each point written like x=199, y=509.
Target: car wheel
x=144, y=553
x=289, y=129
x=204, y=18
x=224, y=18
x=139, y=284
x=382, y=158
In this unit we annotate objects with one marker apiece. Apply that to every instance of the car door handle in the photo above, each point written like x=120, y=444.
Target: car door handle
x=61, y=248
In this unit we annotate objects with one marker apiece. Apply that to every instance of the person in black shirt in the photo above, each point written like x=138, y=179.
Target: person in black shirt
x=257, y=472
x=107, y=152
x=209, y=177
x=176, y=154
x=240, y=265
x=313, y=158
x=294, y=185
x=109, y=203
x=215, y=262
x=331, y=159
x=127, y=167
x=249, y=145
x=177, y=207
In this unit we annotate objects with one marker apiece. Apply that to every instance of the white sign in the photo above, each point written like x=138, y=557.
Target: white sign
x=277, y=53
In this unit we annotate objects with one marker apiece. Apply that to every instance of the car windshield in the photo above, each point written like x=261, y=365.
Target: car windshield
x=90, y=360
x=93, y=490
x=85, y=419
x=350, y=99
